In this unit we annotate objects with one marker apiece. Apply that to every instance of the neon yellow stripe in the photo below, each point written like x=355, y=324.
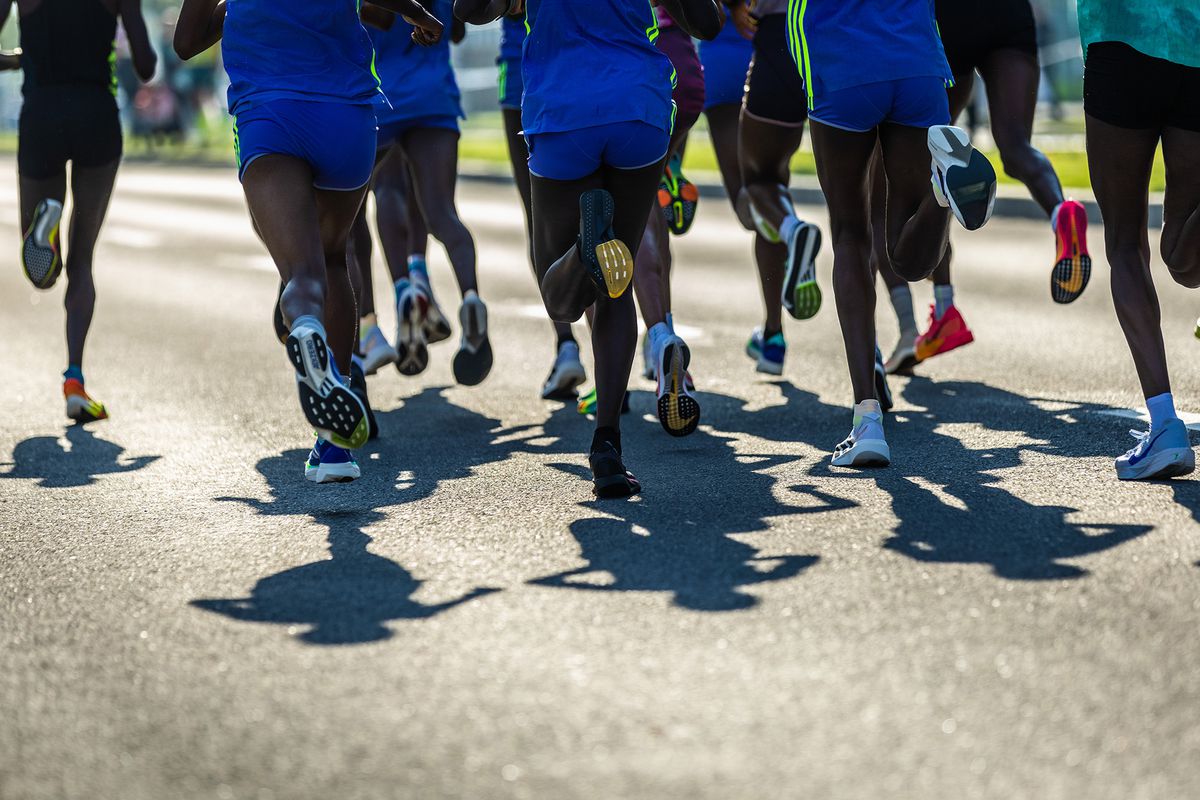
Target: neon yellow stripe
x=653, y=31
x=503, y=79
x=799, y=44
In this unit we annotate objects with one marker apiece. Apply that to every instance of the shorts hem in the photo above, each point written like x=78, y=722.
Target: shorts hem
x=776, y=122
x=846, y=128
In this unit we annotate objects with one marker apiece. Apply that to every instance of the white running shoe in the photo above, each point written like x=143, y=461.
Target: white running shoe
x=566, y=375
x=437, y=326
x=412, y=312
x=963, y=179
x=329, y=405
x=473, y=361
x=1164, y=453
x=678, y=409
x=866, y=445
x=904, y=355
x=377, y=351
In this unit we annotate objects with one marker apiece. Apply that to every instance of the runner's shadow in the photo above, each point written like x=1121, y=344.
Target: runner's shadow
x=75, y=459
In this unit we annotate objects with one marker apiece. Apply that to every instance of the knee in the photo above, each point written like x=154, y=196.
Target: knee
x=1184, y=265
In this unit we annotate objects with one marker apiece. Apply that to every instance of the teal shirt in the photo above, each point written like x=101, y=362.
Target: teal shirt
x=1167, y=29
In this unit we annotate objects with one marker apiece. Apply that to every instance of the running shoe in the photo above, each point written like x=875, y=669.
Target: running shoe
x=769, y=353
x=647, y=357
x=437, y=326
x=963, y=179
x=412, y=314
x=883, y=392
x=801, y=295
x=376, y=350
x=328, y=403
x=587, y=404
x=328, y=463
x=566, y=375
x=358, y=385
x=1165, y=453
x=81, y=407
x=473, y=361
x=606, y=257
x=904, y=355
x=40, y=256
x=678, y=409
x=865, y=446
x=1074, y=266
x=610, y=478
x=943, y=335
x=677, y=196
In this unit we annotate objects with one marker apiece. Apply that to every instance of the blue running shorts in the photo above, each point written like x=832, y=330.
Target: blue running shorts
x=914, y=102
x=390, y=131
x=511, y=84
x=571, y=155
x=726, y=60
x=336, y=139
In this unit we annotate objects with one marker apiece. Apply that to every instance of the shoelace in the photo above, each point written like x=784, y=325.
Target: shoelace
x=1142, y=437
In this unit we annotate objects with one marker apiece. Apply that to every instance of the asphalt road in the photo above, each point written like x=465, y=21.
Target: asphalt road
x=182, y=616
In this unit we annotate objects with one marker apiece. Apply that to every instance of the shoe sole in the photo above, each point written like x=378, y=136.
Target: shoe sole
x=970, y=179
x=379, y=357
x=81, y=410
x=800, y=279
x=679, y=206
x=39, y=255
x=437, y=327
x=865, y=454
x=608, y=260
x=908, y=359
x=615, y=487
x=473, y=361
x=332, y=408
x=678, y=411
x=945, y=347
x=769, y=367
x=336, y=473
x=564, y=382
x=412, y=354
x=1073, y=269
x=1173, y=463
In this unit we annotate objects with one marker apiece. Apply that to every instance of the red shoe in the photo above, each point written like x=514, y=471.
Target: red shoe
x=943, y=335
x=1074, y=265
x=80, y=407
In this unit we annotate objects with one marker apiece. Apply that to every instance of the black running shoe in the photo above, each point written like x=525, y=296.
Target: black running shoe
x=609, y=476
x=358, y=385
x=330, y=406
x=606, y=257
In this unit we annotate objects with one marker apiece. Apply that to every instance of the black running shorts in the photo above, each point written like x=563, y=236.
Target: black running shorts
x=974, y=29
x=774, y=86
x=1129, y=89
x=58, y=124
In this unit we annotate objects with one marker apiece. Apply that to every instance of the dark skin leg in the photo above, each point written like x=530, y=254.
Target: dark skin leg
x=723, y=129
x=402, y=230
x=1120, y=161
x=765, y=153
x=432, y=156
x=1181, y=206
x=360, y=256
x=305, y=231
x=652, y=271
x=567, y=288
x=518, y=155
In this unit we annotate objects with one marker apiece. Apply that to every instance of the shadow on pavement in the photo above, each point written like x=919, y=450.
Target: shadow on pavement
x=76, y=459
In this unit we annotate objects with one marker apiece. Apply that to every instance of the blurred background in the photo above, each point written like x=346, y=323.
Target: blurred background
x=182, y=115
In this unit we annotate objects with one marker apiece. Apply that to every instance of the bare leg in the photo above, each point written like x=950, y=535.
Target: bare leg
x=395, y=213
x=723, y=129
x=91, y=189
x=1181, y=206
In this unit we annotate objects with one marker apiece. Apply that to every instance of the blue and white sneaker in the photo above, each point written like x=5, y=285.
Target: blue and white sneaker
x=769, y=353
x=801, y=294
x=328, y=403
x=328, y=463
x=866, y=445
x=963, y=179
x=1164, y=453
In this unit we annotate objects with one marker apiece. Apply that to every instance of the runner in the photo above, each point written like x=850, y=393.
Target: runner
x=301, y=94
x=568, y=373
x=604, y=150
x=895, y=100
x=726, y=60
x=771, y=129
x=69, y=113
x=1141, y=88
x=997, y=38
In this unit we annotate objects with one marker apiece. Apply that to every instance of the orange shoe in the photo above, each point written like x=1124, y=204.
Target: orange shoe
x=1074, y=265
x=943, y=335
x=677, y=197
x=80, y=407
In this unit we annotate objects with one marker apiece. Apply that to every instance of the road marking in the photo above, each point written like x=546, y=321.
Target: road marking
x=1191, y=420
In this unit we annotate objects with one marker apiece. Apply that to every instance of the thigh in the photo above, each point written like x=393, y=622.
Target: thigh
x=633, y=192
x=905, y=154
x=1120, y=160
x=279, y=192
x=432, y=156
x=1011, y=77
x=91, y=190
x=1181, y=154
x=337, y=211
x=766, y=149
x=556, y=217
x=843, y=162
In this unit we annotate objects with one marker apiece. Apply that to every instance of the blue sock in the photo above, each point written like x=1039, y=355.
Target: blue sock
x=943, y=299
x=73, y=371
x=416, y=263
x=1161, y=408
x=310, y=321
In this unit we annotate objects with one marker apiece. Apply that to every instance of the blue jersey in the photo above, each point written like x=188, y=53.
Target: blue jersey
x=310, y=50
x=839, y=44
x=593, y=62
x=512, y=38
x=418, y=81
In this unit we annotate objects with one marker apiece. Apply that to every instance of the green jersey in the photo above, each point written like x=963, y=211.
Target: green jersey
x=1166, y=29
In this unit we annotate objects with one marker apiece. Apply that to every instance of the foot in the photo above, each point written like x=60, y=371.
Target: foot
x=81, y=407
x=883, y=392
x=678, y=410
x=40, y=256
x=769, y=352
x=437, y=326
x=904, y=356
x=1074, y=266
x=587, y=404
x=944, y=334
x=376, y=351
x=866, y=445
x=1164, y=453
x=963, y=179
x=412, y=316
x=328, y=463
x=358, y=385
x=610, y=479
x=801, y=295
x=606, y=257
x=329, y=405
x=566, y=375
x=677, y=197
x=473, y=361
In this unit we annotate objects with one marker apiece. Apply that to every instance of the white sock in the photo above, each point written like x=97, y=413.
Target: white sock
x=1054, y=217
x=1161, y=408
x=902, y=304
x=787, y=227
x=943, y=299
x=311, y=322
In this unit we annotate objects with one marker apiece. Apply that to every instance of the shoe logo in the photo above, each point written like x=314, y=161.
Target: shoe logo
x=1145, y=449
